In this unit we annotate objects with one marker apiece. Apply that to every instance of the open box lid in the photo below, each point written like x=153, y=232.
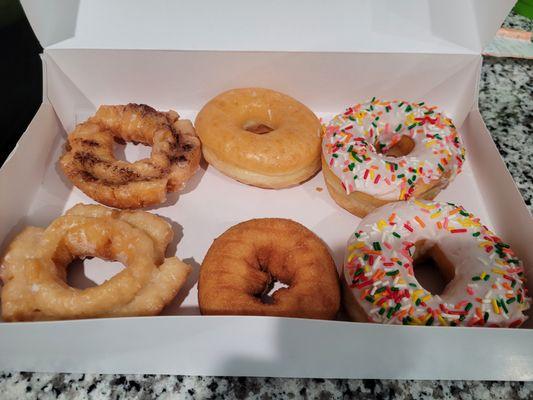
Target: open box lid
x=408, y=26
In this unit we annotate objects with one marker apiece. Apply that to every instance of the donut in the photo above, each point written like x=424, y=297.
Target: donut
x=486, y=281
x=34, y=269
x=243, y=264
x=91, y=166
x=382, y=151
x=260, y=137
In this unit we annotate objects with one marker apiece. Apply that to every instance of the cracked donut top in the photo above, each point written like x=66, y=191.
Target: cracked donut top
x=360, y=147
x=488, y=285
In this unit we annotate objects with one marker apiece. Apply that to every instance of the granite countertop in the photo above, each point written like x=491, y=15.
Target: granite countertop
x=506, y=104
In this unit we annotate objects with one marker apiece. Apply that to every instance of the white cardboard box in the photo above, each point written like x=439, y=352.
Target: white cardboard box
x=326, y=54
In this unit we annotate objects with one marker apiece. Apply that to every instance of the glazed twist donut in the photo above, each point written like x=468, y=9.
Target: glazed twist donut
x=34, y=267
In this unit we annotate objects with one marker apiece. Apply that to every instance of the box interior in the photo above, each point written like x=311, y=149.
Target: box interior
x=80, y=80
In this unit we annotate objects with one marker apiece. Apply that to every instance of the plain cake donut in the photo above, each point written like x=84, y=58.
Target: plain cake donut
x=244, y=262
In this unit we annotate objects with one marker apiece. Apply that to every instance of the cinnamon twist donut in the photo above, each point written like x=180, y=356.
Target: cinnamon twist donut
x=90, y=164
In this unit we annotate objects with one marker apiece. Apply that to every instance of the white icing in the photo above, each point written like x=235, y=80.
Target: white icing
x=350, y=140
x=483, y=263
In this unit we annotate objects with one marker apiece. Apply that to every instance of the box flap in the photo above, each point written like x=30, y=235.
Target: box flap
x=266, y=346
x=52, y=20
x=409, y=26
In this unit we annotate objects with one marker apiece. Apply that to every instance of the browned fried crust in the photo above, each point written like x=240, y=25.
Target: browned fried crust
x=242, y=263
x=89, y=162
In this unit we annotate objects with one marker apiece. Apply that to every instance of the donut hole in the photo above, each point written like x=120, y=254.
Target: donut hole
x=273, y=284
x=259, y=128
x=403, y=147
x=130, y=151
x=431, y=268
x=267, y=296
x=91, y=271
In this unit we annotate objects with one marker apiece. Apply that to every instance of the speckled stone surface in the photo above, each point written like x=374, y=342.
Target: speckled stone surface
x=517, y=21
x=506, y=104
x=77, y=386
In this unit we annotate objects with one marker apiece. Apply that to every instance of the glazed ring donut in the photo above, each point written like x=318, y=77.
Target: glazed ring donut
x=378, y=152
x=90, y=164
x=243, y=263
x=260, y=137
x=486, y=281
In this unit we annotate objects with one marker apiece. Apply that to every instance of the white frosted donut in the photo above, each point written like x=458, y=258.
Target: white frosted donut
x=381, y=151
x=486, y=286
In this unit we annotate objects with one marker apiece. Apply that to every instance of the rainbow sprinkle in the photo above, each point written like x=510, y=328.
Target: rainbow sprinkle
x=380, y=260
x=355, y=144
